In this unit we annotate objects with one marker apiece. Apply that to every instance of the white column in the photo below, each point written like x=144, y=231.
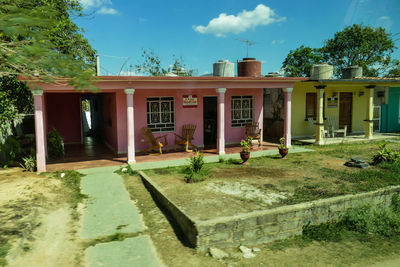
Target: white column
x=319, y=124
x=130, y=125
x=39, y=130
x=288, y=116
x=221, y=121
x=369, y=121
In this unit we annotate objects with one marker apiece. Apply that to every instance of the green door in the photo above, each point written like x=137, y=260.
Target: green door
x=393, y=110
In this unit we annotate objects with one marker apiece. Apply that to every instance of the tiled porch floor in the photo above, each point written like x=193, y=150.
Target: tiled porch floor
x=351, y=138
x=94, y=154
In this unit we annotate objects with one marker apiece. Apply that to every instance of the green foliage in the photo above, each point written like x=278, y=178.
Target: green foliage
x=394, y=70
x=71, y=181
x=38, y=38
x=385, y=154
x=126, y=170
x=282, y=143
x=246, y=144
x=365, y=220
x=4, y=248
x=8, y=117
x=86, y=105
x=152, y=65
x=29, y=163
x=18, y=92
x=360, y=45
x=368, y=47
x=298, y=62
x=10, y=152
x=55, y=145
x=194, y=171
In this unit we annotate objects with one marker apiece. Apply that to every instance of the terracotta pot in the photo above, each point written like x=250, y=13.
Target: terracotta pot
x=245, y=157
x=283, y=152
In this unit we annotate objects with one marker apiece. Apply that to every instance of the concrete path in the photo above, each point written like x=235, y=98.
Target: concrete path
x=109, y=210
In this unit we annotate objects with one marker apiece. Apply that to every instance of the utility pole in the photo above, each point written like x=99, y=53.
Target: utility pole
x=248, y=43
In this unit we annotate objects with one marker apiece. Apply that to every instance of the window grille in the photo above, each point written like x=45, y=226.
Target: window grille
x=242, y=110
x=161, y=114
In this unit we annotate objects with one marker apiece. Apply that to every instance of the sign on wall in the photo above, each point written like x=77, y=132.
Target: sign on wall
x=332, y=102
x=189, y=101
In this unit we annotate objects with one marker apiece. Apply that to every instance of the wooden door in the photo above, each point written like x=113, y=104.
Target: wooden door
x=210, y=111
x=346, y=111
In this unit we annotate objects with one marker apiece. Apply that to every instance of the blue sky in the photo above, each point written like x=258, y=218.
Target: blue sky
x=202, y=32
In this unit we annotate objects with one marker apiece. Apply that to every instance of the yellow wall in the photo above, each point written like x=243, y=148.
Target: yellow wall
x=300, y=127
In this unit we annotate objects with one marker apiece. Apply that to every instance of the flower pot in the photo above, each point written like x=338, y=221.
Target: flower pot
x=283, y=152
x=245, y=157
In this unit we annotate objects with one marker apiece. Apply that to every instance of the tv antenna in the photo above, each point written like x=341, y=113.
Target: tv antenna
x=248, y=43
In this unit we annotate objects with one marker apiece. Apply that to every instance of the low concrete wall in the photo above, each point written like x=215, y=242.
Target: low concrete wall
x=185, y=223
x=266, y=225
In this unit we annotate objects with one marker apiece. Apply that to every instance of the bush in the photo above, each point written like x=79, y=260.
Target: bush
x=126, y=170
x=55, y=144
x=29, y=163
x=10, y=152
x=385, y=155
x=194, y=171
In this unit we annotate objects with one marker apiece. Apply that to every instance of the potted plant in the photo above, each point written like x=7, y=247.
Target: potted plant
x=245, y=153
x=283, y=149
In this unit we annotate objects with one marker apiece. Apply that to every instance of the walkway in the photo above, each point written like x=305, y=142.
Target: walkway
x=110, y=213
x=350, y=138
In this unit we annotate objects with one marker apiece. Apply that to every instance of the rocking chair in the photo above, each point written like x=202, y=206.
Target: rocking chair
x=253, y=132
x=186, y=138
x=154, y=142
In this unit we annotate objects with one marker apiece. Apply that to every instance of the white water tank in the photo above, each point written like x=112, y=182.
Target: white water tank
x=321, y=72
x=224, y=68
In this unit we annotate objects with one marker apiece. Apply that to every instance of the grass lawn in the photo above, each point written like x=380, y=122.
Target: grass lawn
x=230, y=188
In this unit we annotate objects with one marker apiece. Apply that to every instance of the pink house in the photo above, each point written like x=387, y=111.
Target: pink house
x=219, y=106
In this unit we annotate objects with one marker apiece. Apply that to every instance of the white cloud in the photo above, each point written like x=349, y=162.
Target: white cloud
x=385, y=21
x=94, y=3
x=107, y=11
x=274, y=42
x=224, y=24
x=128, y=73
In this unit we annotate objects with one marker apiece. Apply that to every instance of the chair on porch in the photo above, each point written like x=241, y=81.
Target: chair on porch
x=334, y=123
x=154, y=142
x=253, y=131
x=312, y=124
x=186, y=138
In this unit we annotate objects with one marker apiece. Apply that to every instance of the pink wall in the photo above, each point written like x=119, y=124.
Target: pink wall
x=182, y=115
x=63, y=113
x=110, y=122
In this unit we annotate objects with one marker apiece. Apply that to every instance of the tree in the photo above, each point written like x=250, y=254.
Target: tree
x=395, y=70
x=38, y=39
x=152, y=65
x=298, y=62
x=368, y=47
x=360, y=45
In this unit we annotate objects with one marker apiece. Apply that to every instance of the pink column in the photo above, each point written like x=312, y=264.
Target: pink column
x=130, y=125
x=288, y=116
x=221, y=121
x=39, y=130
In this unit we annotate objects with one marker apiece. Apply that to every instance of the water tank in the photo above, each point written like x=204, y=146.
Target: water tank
x=352, y=72
x=249, y=67
x=321, y=72
x=224, y=68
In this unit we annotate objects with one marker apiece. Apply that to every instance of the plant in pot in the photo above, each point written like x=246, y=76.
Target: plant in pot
x=283, y=149
x=245, y=153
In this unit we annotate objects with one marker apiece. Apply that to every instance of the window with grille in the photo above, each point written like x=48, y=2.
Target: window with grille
x=161, y=114
x=242, y=110
x=311, y=106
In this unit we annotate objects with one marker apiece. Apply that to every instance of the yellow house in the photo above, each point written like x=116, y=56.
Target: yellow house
x=332, y=107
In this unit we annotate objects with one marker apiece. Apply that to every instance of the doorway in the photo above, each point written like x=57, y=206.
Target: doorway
x=346, y=111
x=92, y=116
x=210, y=111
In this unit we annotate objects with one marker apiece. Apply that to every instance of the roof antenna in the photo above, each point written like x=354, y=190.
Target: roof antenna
x=248, y=43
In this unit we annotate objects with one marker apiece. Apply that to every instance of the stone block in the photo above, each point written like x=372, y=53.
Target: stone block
x=220, y=236
x=267, y=218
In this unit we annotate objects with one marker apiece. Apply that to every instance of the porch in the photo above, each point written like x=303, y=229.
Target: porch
x=93, y=154
x=350, y=138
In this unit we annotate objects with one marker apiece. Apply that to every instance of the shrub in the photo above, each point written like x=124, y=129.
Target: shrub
x=10, y=152
x=385, y=155
x=55, y=144
x=126, y=170
x=29, y=163
x=246, y=144
x=194, y=171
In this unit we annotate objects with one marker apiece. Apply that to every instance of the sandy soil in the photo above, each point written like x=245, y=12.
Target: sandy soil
x=36, y=221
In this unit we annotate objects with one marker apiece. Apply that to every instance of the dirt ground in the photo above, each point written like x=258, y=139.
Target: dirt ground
x=37, y=223
x=173, y=249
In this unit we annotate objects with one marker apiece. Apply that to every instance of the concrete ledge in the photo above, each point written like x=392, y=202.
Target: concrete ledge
x=268, y=225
